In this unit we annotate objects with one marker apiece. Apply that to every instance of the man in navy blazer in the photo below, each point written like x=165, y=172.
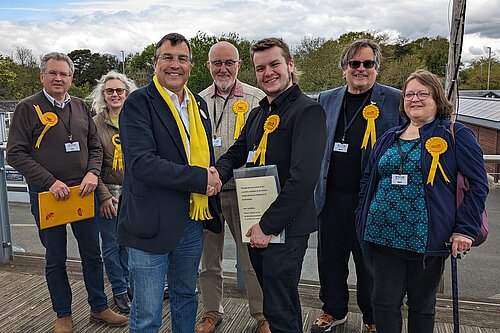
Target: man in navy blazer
x=356, y=115
x=160, y=188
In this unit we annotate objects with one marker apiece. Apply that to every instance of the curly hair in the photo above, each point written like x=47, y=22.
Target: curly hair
x=97, y=95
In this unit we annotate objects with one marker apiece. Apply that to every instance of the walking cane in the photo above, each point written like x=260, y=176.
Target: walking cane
x=454, y=292
x=454, y=287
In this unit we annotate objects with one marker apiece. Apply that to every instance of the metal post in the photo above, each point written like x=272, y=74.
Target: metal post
x=5, y=237
x=489, y=67
x=123, y=62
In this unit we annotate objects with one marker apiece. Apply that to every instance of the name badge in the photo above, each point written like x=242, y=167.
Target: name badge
x=399, y=179
x=72, y=146
x=217, y=142
x=251, y=154
x=340, y=147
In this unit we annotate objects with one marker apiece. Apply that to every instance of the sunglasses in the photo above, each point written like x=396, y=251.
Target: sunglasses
x=111, y=91
x=354, y=64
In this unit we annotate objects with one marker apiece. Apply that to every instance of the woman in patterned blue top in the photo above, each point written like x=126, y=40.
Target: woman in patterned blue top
x=407, y=205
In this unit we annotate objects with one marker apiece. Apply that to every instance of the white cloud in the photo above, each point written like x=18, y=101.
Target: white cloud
x=112, y=25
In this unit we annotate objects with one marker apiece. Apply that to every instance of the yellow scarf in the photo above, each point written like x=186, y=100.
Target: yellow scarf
x=200, y=153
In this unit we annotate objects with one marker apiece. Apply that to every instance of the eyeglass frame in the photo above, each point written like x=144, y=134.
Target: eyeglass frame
x=355, y=64
x=54, y=74
x=113, y=90
x=218, y=63
x=418, y=94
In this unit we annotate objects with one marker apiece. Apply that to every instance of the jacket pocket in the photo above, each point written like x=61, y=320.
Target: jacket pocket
x=142, y=216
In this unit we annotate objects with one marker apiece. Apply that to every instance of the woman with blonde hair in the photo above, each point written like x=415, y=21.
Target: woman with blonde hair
x=108, y=98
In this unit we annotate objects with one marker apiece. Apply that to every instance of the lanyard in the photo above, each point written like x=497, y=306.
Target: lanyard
x=347, y=125
x=67, y=127
x=226, y=100
x=404, y=155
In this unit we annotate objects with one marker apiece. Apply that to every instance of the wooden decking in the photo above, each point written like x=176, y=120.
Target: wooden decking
x=25, y=305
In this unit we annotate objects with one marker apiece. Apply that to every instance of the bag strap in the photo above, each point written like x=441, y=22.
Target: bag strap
x=452, y=130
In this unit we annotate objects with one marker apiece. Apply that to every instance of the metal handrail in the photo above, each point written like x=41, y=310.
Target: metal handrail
x=5, y=236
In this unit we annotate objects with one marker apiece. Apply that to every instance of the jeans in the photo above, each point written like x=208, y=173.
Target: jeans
x=399, y=272
x=148, y=272
x=115, y=256
x=54, y=240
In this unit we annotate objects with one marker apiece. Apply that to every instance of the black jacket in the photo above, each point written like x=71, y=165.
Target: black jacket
x=154, y=206
x=296, y=147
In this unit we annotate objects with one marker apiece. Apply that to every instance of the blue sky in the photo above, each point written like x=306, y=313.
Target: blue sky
x=33, y=11
x=109, y=26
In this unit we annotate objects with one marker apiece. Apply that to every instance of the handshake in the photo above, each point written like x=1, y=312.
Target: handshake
x=214, y=184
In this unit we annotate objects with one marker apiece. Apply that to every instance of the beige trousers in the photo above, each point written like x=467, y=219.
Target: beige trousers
x=211, y=263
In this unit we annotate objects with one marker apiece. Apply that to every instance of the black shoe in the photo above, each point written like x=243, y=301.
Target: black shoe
x=122, y=302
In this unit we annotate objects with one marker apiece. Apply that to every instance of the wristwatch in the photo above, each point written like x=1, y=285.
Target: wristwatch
x=95, y=171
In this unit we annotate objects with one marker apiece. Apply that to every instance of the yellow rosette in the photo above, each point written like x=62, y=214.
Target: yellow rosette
x=270, y=125
x=48, y=119
x=117, y=156
x=370, y=113
x=436, y=146
x=240, y=108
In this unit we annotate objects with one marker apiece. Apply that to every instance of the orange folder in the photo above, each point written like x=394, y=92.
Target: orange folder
x=54, y=213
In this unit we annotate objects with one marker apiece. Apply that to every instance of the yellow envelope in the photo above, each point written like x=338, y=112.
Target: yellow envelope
x=54, y=213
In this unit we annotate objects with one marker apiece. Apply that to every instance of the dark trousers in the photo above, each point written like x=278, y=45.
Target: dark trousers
x=54, y=240
x=278, y=269
x=336, y=241
x=399, y=272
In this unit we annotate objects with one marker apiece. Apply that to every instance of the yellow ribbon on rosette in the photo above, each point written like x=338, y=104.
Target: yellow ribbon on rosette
x=240, y=108
x=48, y=119
x=270, y=125
x=370, y=113
x=436, y=146
x=117, y=156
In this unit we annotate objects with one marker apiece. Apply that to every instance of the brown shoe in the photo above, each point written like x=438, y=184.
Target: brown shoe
x=263, y=326
x=109, y=317
x=209, y=321
x=64, y=325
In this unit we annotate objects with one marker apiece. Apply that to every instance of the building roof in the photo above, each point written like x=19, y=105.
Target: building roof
x=480, y=93
x=479, y=111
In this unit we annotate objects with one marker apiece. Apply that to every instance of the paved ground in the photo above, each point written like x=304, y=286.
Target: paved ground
x=478, y=272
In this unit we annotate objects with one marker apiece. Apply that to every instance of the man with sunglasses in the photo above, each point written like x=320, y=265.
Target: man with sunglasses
x=53, y=142
x=357, y=114
x=229, y=102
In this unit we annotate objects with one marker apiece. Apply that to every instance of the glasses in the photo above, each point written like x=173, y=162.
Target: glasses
x=227, y=63
x=54, y=74
x=169, y=59
x=421, y=95
x=354, y=64
x=111, y=91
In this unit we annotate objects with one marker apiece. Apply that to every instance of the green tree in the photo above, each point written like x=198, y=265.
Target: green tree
x=8, y=77
x=139, y=66
x=89, y=67
x=397, y=71
x=475, y=75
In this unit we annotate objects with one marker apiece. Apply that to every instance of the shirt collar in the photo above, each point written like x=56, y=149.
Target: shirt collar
x=237, y=90
x=175, y=98
x=53, y=101
x=278, y=101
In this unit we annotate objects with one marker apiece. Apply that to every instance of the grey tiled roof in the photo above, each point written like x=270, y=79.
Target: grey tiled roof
x=479, y=111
